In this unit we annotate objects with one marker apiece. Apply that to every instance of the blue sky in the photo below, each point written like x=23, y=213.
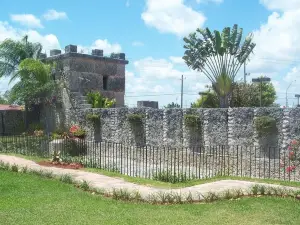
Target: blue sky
x=150, y=32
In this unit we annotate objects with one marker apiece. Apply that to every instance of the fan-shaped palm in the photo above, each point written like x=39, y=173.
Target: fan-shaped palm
x=215, y=54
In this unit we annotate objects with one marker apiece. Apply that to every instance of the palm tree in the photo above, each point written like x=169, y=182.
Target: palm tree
x=217, y=54
x=12, y=53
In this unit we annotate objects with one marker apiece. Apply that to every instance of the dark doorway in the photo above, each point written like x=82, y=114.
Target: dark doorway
x=105, y=83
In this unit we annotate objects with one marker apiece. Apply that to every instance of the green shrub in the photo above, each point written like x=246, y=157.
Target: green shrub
x=122, y=194
x=170, y=177
x=4, y=166
x=255, y=189
x=66, y=178
x=135, y=118
x=75, y=159
x=265, y=125
x=211, y=197
x=99, y=101
x=95, y=118
x=47, y=174
x=59, y=131
x=192, y=120
x=55, y=136
x=15, y=168
x=80, y=133
x=228, y=194
x=85, y=186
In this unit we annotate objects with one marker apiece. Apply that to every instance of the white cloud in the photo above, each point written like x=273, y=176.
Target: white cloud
x=293, y=74
x=137, y=43
x=159, y=80
x=103, y=45
x=277, y=51
x=49, y=41
x=159, y=68
x=281, y=4
x=7, y=31
x=172, y=16
x=27, y=20
x=177, y=60
x=277, y=42
x=207, y=1
x=163, y=69
x=54, y=15
x=106, y=46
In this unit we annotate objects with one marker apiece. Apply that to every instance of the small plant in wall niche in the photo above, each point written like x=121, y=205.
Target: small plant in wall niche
x=95, y=118
x=265, y=125
x=191, y=120
x=97, y=100
x=135, y=118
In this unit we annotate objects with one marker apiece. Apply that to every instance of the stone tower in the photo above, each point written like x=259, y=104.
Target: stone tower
x=95, y=72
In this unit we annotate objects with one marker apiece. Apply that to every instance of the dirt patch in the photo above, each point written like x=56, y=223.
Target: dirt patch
x=61, y=165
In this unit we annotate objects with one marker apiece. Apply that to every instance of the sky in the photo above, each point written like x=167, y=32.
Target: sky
x=150, y=33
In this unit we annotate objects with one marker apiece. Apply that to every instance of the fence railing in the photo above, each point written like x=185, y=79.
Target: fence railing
x=152, y=162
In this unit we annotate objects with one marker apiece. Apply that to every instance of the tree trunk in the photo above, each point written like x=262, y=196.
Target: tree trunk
x=224, y=101
x=26, y=115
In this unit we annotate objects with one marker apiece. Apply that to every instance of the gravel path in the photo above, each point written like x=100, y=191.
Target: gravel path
x=109, y=183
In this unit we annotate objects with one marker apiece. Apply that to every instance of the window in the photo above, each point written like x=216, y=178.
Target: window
x=104, y=83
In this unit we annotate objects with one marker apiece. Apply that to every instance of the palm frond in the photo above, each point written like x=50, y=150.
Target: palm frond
x=233, y=37
x=237, y=42
x=226, y=44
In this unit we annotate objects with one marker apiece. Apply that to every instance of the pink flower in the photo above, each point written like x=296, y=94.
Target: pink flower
x=294, y=142
x=290, y=148
x=74, y=128
x=290, y=169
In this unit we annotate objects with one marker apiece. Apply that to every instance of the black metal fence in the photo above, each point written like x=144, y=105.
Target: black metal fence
x=151, y=162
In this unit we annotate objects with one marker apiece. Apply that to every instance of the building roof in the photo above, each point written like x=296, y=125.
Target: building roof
x=10, y=107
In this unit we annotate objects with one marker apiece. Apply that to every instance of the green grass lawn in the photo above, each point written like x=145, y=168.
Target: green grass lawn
x=29, y=199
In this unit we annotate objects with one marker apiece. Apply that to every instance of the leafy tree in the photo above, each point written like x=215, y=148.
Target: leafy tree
x=210, y=100
x=243, y=95
x=172, y=105
x=248, y=95
x=216, y=54
x=3, y=100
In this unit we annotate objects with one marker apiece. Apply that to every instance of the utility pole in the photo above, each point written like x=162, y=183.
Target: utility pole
x=245, y=73
x=181, y=105
x=261, y=80
x=286, y=94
